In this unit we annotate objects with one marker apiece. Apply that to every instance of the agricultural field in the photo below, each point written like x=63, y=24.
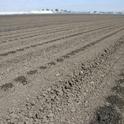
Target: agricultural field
x=62, y=69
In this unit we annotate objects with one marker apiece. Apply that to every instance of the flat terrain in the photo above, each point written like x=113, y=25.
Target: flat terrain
x=62, y=69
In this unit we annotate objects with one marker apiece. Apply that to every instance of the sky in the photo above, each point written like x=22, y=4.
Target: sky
x=73, y=5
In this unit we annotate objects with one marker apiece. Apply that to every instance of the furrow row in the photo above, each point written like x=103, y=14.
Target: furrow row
x=51, y=41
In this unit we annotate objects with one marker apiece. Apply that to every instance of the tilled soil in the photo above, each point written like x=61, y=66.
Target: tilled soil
x=61, y=69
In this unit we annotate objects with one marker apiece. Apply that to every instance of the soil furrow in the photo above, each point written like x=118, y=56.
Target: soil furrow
x=51, y=41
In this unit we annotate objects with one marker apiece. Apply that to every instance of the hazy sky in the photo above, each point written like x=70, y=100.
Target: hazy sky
x=79, y=5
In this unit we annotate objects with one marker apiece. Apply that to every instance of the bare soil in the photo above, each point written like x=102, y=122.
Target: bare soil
x=62, y=69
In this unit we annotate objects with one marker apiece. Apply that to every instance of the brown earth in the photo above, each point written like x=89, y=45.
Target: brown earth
x=62, y=69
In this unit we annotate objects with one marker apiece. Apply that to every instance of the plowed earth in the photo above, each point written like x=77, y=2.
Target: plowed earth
x=62, y=69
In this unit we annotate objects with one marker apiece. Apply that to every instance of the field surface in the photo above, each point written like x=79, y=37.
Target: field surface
x=62, y=69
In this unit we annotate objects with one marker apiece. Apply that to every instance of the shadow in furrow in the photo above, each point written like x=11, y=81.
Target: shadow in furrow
x=113, y=112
